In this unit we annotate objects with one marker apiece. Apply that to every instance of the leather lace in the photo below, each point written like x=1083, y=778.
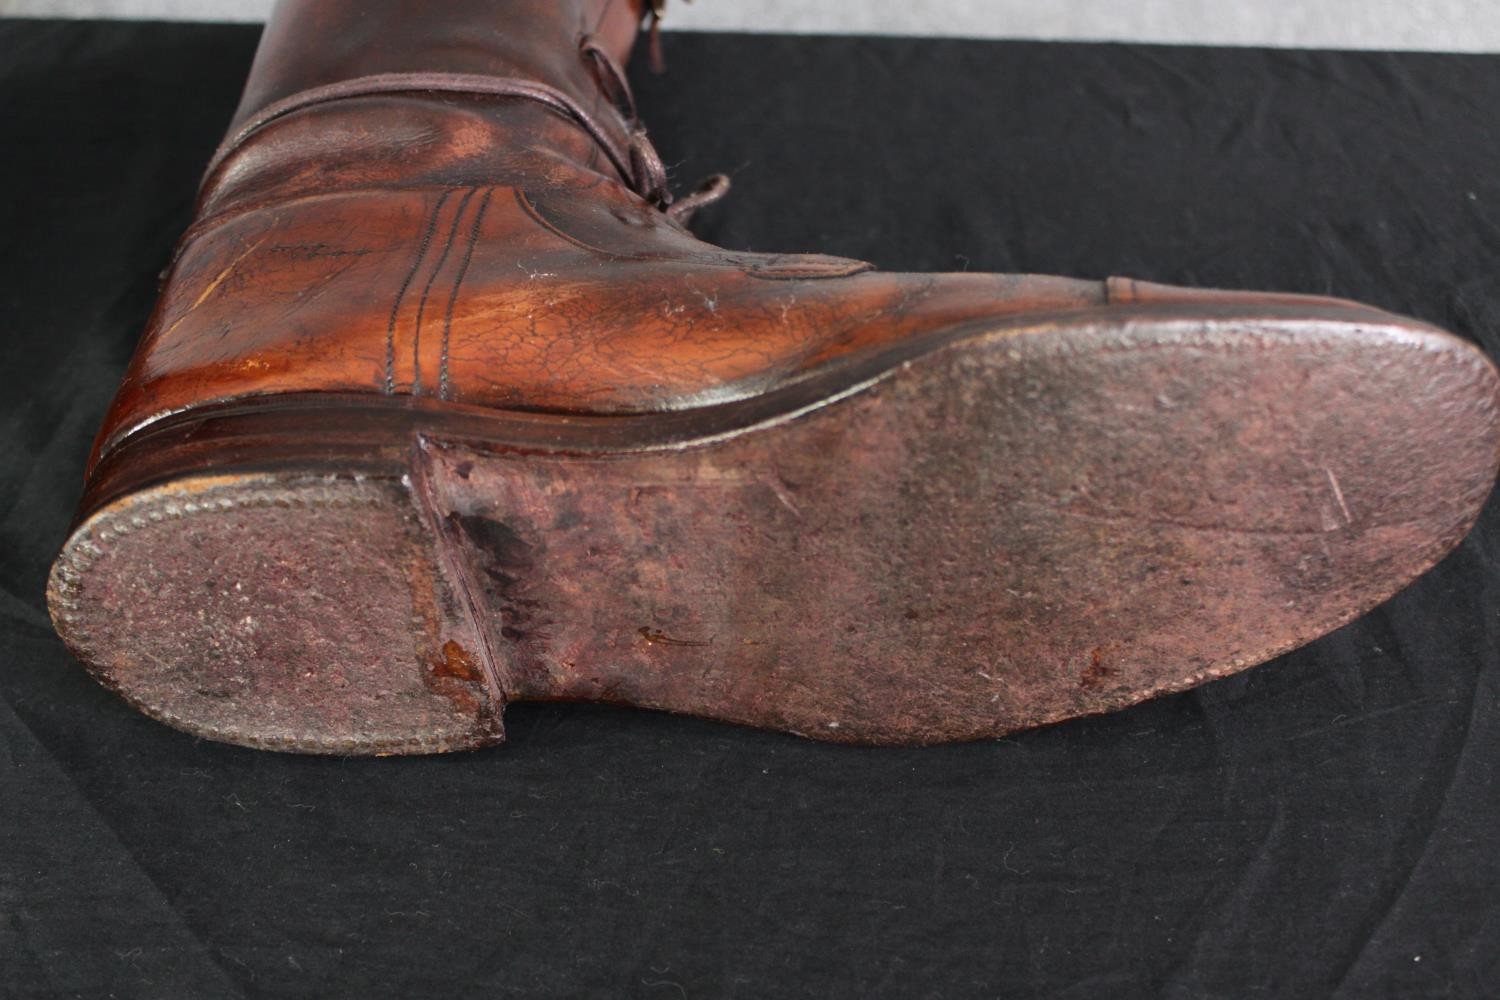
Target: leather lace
x=647, y=171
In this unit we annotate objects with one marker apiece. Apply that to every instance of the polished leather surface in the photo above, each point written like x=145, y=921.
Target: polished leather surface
x=482, y=250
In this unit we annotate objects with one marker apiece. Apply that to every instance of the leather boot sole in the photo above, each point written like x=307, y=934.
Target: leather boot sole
x=999, y=531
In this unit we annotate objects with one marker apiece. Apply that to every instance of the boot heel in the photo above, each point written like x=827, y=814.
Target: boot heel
x=304, y=613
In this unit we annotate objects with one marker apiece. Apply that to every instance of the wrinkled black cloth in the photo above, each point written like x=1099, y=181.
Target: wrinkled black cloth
x=1324, y=825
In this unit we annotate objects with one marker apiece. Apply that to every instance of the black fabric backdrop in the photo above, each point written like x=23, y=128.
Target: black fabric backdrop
x=1322, y=825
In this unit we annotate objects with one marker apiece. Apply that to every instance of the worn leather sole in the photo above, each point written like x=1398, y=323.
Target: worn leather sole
x=1006, y=529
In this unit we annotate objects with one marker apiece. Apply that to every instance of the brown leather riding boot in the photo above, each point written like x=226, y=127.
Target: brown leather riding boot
x=442, y=407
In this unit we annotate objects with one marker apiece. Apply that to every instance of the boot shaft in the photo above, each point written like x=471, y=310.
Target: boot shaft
x=346, y=94
x=315, y=43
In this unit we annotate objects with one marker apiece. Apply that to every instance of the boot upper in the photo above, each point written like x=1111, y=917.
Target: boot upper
x=502, y=250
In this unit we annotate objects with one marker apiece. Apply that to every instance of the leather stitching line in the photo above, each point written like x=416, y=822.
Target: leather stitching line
x=416, y=341
x=444, y=386
x=390, y=330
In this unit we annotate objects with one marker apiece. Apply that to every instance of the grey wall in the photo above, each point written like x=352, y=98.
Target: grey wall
x=1443, y=25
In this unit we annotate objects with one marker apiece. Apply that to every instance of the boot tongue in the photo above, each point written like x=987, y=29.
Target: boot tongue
x=311, y=44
